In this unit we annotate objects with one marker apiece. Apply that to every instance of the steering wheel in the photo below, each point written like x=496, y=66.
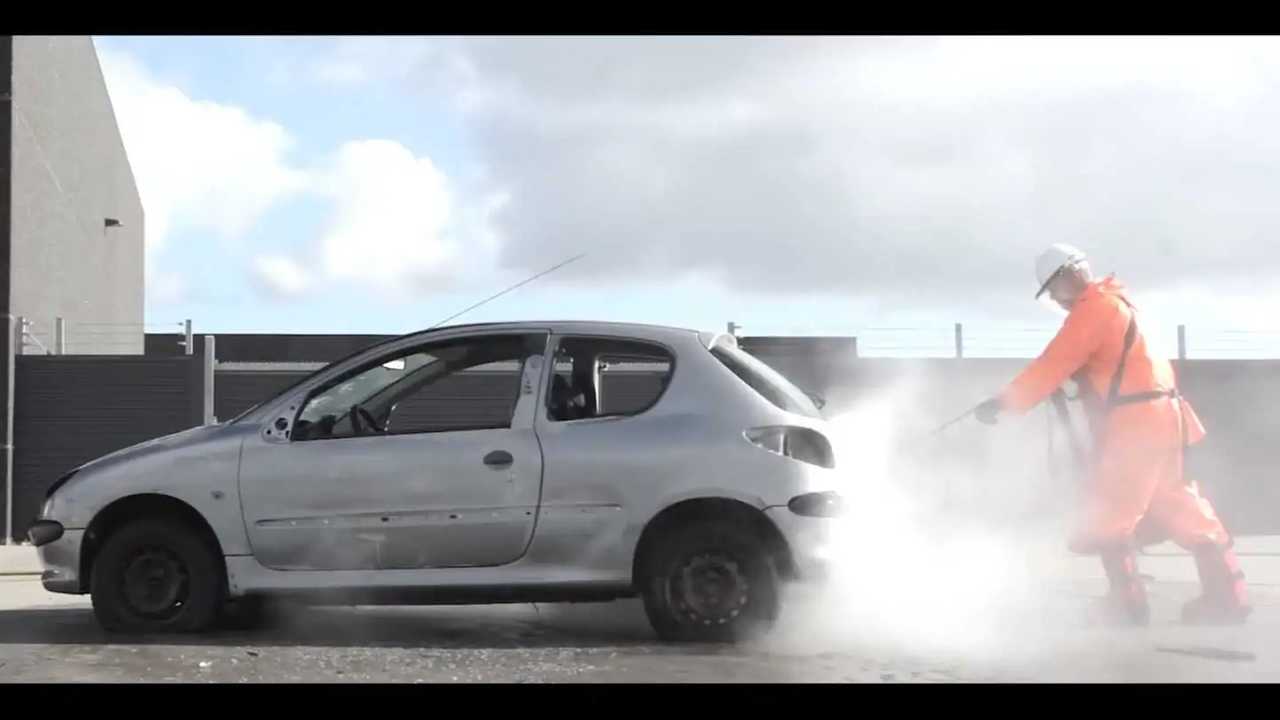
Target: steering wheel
x=358, y=413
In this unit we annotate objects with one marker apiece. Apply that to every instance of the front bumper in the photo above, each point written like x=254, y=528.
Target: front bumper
x=61, y=561
x=809, y=540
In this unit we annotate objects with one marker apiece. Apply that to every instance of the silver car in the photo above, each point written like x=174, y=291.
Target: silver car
x=520, y=462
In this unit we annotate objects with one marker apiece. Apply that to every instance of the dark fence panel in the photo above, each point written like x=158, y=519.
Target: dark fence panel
x=266, y=347
x=71, y=409
x=235, y=392
x=1237, y=461
x=75, y=408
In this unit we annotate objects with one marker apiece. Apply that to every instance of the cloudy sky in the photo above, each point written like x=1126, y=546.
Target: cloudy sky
x=815, y=186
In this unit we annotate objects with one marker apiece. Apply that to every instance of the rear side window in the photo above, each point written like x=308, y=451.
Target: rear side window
x=766, y=381
x=606, y=377
x=630, y=385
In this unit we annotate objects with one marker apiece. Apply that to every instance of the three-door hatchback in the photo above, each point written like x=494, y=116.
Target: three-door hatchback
x=521, y=462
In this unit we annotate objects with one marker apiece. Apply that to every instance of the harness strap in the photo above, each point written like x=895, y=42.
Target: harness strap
x=1129, y=334
x=1145, y=397
x=1115, y=399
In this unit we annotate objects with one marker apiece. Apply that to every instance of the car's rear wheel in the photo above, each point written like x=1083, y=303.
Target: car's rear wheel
x=710, y=582
x=156, y=576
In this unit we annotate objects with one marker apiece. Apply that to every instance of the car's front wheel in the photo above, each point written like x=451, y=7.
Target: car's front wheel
x=710, y=581
x=156, y=576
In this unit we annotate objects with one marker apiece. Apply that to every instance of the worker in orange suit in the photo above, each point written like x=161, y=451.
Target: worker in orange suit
x=1136, y=491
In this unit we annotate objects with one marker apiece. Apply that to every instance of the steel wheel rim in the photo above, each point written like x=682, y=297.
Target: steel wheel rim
x=708, y=589
x=155, y=583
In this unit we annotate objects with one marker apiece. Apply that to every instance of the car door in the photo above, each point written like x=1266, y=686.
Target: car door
x=602, y=444
x=447, y=475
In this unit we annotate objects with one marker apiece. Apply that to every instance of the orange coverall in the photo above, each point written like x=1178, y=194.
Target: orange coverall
x=1136, y=474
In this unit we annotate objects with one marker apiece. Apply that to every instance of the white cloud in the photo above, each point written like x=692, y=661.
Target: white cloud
x=922, y=172
x=346, y=62
x=356, y=60
x=280, y=276
x=164, y=287
x=910, y=169
x=392, y=214
x=198, y=163
x=394, y=222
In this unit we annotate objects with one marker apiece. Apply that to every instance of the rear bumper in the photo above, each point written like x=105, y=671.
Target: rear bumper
x=61, y=561
x=809, y=541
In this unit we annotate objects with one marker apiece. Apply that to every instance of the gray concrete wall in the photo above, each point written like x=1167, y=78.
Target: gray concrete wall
x=69, y=173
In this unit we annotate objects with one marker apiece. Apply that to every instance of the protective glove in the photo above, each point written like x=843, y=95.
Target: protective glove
x=988, y=412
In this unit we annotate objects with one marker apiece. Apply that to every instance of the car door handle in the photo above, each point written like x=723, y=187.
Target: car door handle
x=498, y=458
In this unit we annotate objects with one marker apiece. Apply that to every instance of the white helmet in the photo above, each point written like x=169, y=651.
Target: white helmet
x=1053, y=261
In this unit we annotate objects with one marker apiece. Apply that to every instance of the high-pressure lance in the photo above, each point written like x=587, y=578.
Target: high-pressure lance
x=955, y=420
x=1059, y=402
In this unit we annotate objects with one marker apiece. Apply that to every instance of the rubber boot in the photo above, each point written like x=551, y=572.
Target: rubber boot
x=1223, y=599
x=1126, y=602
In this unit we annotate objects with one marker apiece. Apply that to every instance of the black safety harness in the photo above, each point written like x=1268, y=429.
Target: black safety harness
x=1114, y=399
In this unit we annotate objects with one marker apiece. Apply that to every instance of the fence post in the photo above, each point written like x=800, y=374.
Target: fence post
x=60, y=336
x=187, y=344
x=959, y=342
x=210, y=361
x=10, y=361
x=1182, y=343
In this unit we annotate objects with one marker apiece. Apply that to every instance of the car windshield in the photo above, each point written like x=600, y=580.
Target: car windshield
x=305, y=378
x=358, y=389
x=766, y=381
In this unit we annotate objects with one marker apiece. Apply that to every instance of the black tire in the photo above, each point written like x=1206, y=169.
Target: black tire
x=157, y=576
x=677, y=610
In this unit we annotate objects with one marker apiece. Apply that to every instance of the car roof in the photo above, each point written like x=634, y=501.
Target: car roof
x=556, y=326
x=561, y=326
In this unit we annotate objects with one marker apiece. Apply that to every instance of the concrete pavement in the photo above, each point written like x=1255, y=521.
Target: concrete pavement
x=46, y=637
x=19, y=560
x=1040, y=637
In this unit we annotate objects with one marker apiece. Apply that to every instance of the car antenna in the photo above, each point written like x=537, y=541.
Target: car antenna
x=513, y=287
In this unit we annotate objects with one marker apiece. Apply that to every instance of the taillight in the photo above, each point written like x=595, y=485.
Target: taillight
x=797, y=443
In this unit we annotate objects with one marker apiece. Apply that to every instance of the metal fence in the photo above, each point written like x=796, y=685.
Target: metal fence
x=73, y=408
x=994, y=341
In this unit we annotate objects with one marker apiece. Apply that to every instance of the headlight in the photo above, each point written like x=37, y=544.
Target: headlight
x=43, y=532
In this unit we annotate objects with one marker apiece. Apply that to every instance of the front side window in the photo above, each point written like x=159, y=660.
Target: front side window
x=461, y=384
x=606, y=377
